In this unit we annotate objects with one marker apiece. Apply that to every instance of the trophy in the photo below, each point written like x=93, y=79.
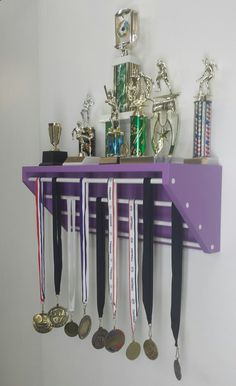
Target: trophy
x=126, y=28
x=115, y=145
x=54, y=156
x=202, y=112
x=84, y=133
x=166, y=118
x=139, y=90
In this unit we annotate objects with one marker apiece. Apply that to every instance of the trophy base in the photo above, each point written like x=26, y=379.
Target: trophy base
x=53, y=158
x=201, y=160
x=137, y=160
x=73, y=160
x=109, y=160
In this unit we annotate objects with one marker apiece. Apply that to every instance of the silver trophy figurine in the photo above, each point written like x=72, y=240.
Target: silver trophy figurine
x=203, y=112
x=83, y=132
x=139, y=91
x=115, y=145
x=54, y=131
x=166, y=118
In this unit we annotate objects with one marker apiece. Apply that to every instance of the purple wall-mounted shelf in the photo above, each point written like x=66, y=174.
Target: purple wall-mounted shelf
x=195, y=190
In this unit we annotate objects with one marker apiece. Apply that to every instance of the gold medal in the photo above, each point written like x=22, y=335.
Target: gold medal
x=71, y=329
x=133, y=350
x=58, y=316
x=84, y=326
x=150, y=349
x=42, y=323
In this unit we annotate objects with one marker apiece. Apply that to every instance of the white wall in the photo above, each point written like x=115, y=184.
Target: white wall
x=75, y=43
x=20, y=353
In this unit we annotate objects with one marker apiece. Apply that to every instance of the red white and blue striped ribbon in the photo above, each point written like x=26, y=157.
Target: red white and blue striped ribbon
x=133, y=263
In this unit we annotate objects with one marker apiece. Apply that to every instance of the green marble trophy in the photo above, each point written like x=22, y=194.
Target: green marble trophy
x=126, y=29
x=139, y=90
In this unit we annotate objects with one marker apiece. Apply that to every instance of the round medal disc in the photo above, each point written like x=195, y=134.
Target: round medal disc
x=150, y=349
x=71, y=329
x=98, y=339
x=177, y=369
x=58, y=316
x=115, y=340
x=42, y=323
x=133, y=350
x=84, y=326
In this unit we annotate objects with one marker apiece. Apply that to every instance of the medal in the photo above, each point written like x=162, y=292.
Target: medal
x=58, y=315
x=86, y=322
x=115, y=339
x=176, y=285
x=150, y=349
x=41, y=321
x=149, y=346
x=134, y=348
x=98, y=339
x=71, y=328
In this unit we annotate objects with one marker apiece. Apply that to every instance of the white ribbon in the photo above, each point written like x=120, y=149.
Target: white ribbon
x=85, y=242
x=71, y=251
x=113, y=243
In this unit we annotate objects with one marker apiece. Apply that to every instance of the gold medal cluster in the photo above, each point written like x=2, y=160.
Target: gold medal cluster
x=113, y=341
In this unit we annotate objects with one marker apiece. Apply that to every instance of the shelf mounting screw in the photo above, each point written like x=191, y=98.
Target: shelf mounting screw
x=187, y=205
x=173, y=181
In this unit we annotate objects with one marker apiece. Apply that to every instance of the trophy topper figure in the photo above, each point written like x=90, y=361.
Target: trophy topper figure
x=164, y=110
x=162, y=75
x=207, y=76
x=83, y=132
x=111, y=101
x=139, y=90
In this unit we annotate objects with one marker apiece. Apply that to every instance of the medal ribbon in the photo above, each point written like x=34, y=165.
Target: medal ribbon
x=71, y=250
x=177, y=258
x=112, y=243
x=84, y=240
x=100, y=244
x=39, y=201
x=57, y=246
x=133, y=263
x=147, y=268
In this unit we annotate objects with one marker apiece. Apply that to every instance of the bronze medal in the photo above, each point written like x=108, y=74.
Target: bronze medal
x=84, y=326
x=133, y=350
x=42, y=323
x=150, y=349
x=71, y=329
x=177, y=369
x=98, y=339
x=58, y=316
x=115, y=340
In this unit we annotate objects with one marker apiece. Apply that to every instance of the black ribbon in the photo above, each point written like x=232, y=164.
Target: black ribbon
x=147, y=268
x=57, y=246
x=176, y=257
x=101, y=265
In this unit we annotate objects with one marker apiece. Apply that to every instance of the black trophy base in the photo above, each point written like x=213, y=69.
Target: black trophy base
x=53, y=158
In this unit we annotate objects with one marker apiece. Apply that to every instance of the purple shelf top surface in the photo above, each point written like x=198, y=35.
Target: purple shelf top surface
x=195, y=190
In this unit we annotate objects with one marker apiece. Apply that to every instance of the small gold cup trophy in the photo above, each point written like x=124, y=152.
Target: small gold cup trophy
x=54, y=156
